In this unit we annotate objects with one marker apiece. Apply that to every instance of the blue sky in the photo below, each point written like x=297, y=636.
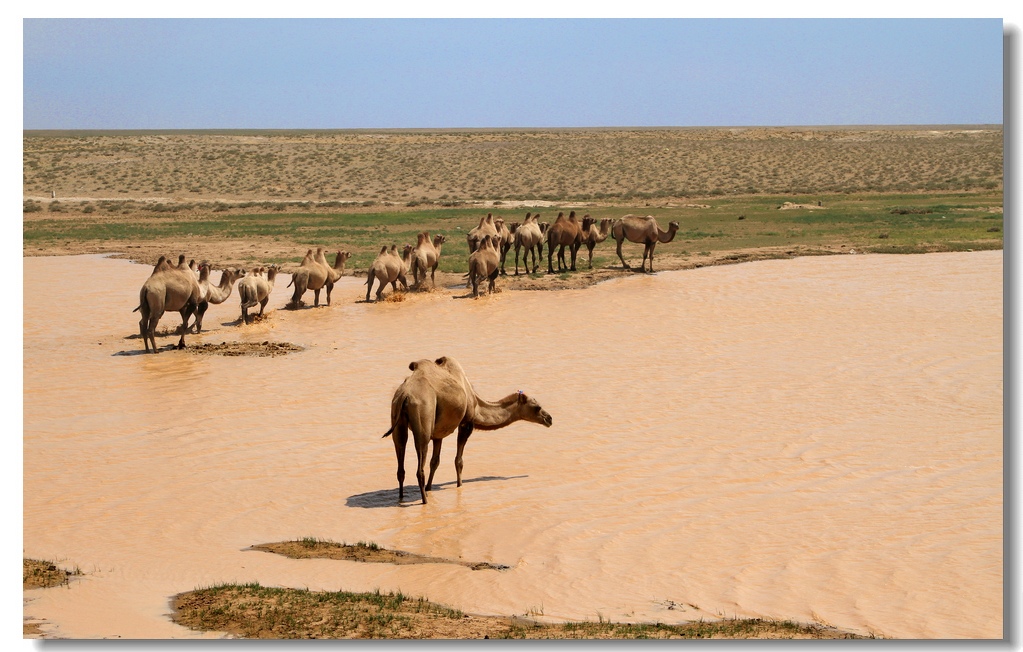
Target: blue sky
x=423, y=73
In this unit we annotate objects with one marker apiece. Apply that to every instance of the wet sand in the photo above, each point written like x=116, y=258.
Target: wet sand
x=817, y=439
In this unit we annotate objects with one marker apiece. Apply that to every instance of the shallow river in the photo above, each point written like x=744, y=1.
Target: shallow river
x=817, y=439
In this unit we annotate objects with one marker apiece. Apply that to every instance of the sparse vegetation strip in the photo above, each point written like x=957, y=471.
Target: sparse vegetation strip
x=311, y=547
x=255, y=611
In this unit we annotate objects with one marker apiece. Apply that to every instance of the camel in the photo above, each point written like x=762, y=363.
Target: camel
x=636, y=228
x=215, y=294
x=476, y=235
x=426, y=256
x=168, y=288
x=310, y=275
x=256, y=288
x=504, y=241
x=483, y=263
x=436, y=400
x=563, y=233
x=389, y=267
x=592, y=236
x=530, y=236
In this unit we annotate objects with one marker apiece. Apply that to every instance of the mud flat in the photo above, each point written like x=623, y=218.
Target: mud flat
x=816, y=440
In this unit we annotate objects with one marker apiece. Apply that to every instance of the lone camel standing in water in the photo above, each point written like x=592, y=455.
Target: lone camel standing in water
x=437, y=399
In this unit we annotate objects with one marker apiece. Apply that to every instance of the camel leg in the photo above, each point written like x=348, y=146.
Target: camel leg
x=330, y=286
x=493, y=283
x=434, y=462
x=475, y=285
x=575, y=251
x=464, y=430
x=186, y=313
x=619, y=250
x=144, y=331
x=652, y=257
x=400, y=437
x=550, y=254
x=648, y=252
x=262, y=305
x=517, y=261
x=316, y=299
x=590, y=249
x=199, y=312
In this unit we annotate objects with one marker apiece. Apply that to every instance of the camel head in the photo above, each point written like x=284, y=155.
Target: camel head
x=439, y=239
x=531, y=411
x=514, y=226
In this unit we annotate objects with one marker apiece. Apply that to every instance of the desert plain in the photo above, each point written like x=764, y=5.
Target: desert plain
x=813, y=436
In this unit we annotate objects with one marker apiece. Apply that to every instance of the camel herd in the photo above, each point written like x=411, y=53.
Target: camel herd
x=437, y=399
x=187, y=289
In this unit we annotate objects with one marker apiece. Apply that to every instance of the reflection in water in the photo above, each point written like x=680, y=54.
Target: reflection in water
x=813, y=439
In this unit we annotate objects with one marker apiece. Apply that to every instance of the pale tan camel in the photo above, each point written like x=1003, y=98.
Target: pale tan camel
x=426, y=256
x=168, y=288
x=310, y=275
x=476, y=235
x=592, y=236
x=436, y=400
x=483, y=263
x=256, y=288
x=530, y=236
x=389, y=267
x=644, y=230
x=504, y=240
x=565, y=232
x=215, y=294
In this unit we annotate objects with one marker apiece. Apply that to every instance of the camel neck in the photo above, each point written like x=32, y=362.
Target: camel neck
x=491, y=415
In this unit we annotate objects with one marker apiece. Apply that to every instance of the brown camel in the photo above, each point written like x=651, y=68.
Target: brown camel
x=530, y=236
x=168, y=288
x=644, y=230
x=215, y=294
x=565, y=232
x=476, y=235
x=426, y=256
x=592, y=236
x=436, y=400
x=256, y=288
x=310, y=275
x=483, y=263
x=389, y=267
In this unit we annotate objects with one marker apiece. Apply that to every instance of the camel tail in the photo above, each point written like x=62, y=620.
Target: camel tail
x=402, y=410
x=142, y=297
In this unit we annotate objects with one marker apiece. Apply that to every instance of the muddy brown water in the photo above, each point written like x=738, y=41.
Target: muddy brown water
x=817, y=439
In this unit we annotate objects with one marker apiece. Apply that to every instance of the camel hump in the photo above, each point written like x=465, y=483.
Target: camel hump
x=383, y=249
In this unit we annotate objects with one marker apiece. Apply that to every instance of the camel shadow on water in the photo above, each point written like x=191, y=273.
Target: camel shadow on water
x=389, y=497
